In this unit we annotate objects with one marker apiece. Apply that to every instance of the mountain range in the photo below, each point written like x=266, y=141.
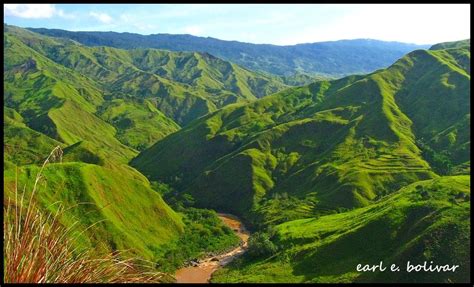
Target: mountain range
x=329, y=59
x=355, y=169
x=332, y=144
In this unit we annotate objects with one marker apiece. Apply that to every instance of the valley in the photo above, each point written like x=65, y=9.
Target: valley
x=201, y=271
x=293, y=164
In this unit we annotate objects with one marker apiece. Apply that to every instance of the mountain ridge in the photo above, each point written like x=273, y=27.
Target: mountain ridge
x=334, y=144
x=326, y=175
x=330, y=58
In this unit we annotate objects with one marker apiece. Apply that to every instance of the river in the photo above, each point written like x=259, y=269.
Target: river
x=202, y=272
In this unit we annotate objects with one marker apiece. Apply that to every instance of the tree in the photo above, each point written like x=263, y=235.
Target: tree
x=260, y=245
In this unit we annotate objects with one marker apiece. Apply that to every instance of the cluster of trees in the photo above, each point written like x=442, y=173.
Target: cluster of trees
x=204, y=233
x=439, y=161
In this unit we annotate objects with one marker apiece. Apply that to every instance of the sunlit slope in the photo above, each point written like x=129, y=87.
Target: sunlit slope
x=333, y=58
x=425, y=221
x=182, y=85
x=456, y=44
x=108, y=210
x=57, y=101
x=330, y=145
x=47, y=104
x=22, y=144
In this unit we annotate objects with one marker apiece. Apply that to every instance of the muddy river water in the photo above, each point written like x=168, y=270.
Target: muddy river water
x=201, y=273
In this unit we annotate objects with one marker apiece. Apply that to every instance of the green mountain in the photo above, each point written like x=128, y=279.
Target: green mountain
x=327, y=175
x=456, y=44
x=336, y=58
x=128, y=92
x=427, y=221
x=339, y=172
x=101, y=105
x=326, y=146
x=107, y=204
x=108, y=209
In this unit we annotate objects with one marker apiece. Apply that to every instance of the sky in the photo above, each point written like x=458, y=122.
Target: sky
x=271, y=24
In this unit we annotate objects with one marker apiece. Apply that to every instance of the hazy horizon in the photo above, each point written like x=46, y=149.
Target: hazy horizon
x=274, y=24
x=184, y=34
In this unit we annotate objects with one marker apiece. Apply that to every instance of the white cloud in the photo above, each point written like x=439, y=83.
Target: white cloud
x=31, y=11
x=62, y=14
x=126, y=18
x=34, y=11
x=193, y=30
x=414, y=23
x=137, y=22
x=102, y=17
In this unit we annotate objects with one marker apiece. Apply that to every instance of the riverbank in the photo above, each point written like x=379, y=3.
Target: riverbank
x=202, y=271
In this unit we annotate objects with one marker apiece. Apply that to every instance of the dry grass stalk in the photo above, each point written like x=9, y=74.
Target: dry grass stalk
x=39, y=249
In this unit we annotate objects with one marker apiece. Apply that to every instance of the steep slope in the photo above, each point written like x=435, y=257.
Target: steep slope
x=438, y=104
x=49, y=96
x=330, y=145
x=183, y=86
x=336, y=58
x=107, y=210
x=425, y=221
x=60, y=93
x=456, y=44
x=21, y=144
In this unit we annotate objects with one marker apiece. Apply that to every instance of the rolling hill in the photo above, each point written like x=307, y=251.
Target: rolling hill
x=131, y=98
x=427, y=221
x=337, y=58
x=337, y=172
x=329, y=146
x=101, y=105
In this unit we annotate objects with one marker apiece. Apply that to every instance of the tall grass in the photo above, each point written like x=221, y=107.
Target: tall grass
x=39, y=249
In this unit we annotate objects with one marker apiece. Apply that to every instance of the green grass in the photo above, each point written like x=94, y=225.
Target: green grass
x=183, y=85
x=23, y=145
x=326, y=166
x=450, y=45
x=329, y=145
x=139, y=124
x=39, y=249
x=119, y=206
x=425, y=221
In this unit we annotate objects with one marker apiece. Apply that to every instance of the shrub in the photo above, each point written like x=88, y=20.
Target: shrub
x=260, y=245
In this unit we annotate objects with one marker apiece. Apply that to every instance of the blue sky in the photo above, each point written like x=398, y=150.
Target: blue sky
x=274, y=24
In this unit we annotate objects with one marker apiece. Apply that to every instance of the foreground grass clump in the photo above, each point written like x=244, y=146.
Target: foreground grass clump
x=114, y=209
x=39, y=249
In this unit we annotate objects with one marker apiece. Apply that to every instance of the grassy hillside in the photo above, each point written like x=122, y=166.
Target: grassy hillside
x=125, y=100
x=328, y=146
x=60, y=93
x=425, y=221
x=336, y=58
x=182, y=85
x=22, y=144
x=115, y=210
x=49, y=96
x=328, y=175
x=456, y=44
